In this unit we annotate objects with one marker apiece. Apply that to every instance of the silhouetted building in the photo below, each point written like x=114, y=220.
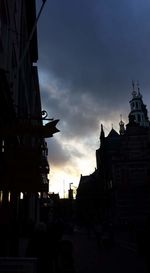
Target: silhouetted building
x=123, y=168
x=23, y=149
x=89, y=198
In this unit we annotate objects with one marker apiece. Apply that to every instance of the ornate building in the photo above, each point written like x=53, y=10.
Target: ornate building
x=123, y=167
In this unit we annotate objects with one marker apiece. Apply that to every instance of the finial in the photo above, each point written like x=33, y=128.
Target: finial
x=138, y=87
x=121, y=124
x=133, y=84
x=134, y=93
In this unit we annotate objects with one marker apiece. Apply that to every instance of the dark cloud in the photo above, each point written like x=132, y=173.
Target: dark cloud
x=97, y=46
x=89, y=52
x=80, y=116
x=76, y=116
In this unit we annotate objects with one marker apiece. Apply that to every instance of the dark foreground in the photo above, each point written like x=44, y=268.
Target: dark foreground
x=90, y=257
x=81, y=251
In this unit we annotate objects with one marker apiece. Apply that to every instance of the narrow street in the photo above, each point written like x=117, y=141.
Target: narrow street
x=89, y=257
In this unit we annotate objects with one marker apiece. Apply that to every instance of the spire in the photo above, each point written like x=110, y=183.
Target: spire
x=133, y=84
x=121, y=124
x=102, y=134
x=138, y=88
x=134, y=93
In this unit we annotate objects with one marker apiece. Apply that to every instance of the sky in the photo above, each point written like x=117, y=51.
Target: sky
x=89, y=53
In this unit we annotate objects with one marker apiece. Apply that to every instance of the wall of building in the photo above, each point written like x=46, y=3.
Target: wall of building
x=23, y=154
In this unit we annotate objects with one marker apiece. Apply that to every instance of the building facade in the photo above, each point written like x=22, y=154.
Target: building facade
x=123, y=167
x=23, y=150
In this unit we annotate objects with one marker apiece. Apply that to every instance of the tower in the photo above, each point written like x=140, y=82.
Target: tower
x=138, y=108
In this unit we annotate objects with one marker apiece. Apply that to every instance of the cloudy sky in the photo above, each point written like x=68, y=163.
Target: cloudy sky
x=89, y=52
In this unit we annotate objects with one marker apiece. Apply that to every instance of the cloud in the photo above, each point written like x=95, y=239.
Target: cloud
x=61, y=152
x=94, y=44
x=79, y=115
x=89, y=52
x=56, y=153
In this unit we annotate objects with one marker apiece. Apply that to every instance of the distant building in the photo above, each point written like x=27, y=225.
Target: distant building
x=123, y=167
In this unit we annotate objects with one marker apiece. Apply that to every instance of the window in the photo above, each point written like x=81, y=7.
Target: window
x=3, y=146
x=133, y=105
x=3, y=23
x=3, y=13
x=1, y=196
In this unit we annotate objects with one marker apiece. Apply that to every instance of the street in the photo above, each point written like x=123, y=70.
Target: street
x=89, y=257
